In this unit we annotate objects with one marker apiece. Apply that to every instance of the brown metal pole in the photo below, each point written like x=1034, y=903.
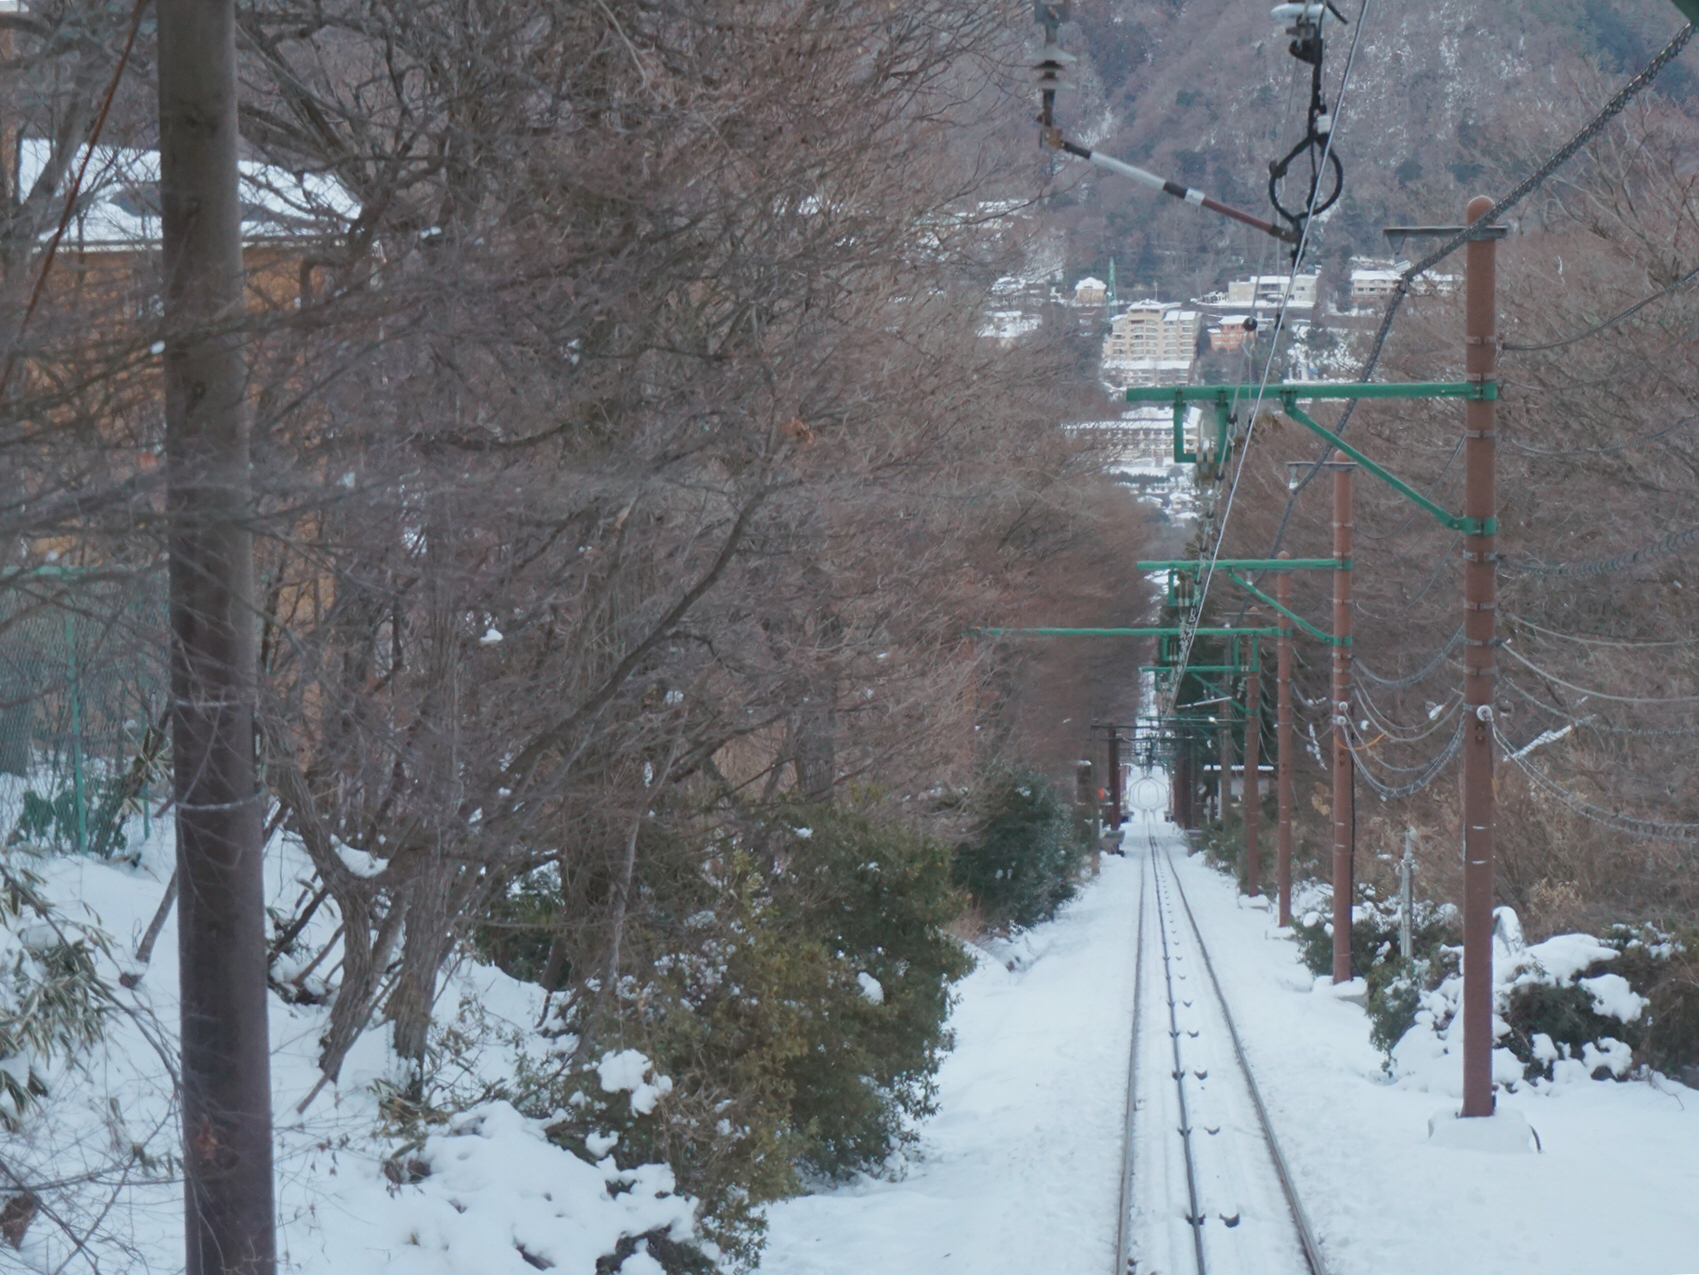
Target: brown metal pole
x=1480, y=674
x=1283, y=748
x=1114, y=779
x=1253, y=750
x=1224, y=789
x=1342, y=777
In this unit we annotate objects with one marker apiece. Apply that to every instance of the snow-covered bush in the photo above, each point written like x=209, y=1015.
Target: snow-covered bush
x=1023, y=860
x=794, y=986
x=1395, y=985
x=52, y=1002
x=1566, y=1009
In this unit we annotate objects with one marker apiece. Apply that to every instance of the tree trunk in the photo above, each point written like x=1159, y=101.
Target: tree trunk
x=230, y=1222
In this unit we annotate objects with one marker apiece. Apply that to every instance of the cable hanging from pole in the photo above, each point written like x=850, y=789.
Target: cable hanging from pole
x=1309, y=47
x=1650, y=829
x=1526, y=187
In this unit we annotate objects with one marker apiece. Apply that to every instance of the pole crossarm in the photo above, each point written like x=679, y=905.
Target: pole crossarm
x=1468, y=526
x=1479, y=390
x=1290, y=393
x=1169, y=631
x=1196, y=565
x=1312, y=630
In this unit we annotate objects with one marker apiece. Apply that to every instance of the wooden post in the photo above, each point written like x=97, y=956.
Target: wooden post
x=1480, y=673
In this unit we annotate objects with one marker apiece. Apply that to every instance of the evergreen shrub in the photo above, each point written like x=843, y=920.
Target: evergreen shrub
x=1023, y=859
x=1395, y=985
x=792, y=979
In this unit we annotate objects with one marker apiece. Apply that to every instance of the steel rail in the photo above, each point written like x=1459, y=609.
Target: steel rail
x=1124, y=1223
x=1300, y=1219
x=1194, y=1219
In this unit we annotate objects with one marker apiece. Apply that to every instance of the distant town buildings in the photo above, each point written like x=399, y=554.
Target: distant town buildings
x=1373, y=279
x=1232, y=332
x=1151, y=343
x=1266, y=291
x=1090, y=291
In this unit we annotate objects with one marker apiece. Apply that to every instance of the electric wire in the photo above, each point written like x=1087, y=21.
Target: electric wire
x=1413, y=678
x=1597, y=328
x=1399, y=733
x=1525, y=188
x=1592, y=721
x=1682, y=424
x=1189, y=633
x=1592, y=640
x=1589, y=692
x=1650, y=829
x=1670, y=544
x=1431, y=772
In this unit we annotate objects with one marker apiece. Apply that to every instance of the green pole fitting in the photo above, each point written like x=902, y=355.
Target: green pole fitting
x=1197, y=565
x=1481, y=391
x=1309, y=628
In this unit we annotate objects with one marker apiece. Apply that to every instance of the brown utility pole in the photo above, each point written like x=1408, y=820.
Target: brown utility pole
x=1283, y=748
x=226, y=1059
x=1342, y=776
x=1114, y=779
x=1253, y=751
x=1480, y=674
x=1224, y=789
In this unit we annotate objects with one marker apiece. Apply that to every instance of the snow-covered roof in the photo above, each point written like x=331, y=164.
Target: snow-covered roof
x=1088, y=282
x=120, y=198
x=1234, y=320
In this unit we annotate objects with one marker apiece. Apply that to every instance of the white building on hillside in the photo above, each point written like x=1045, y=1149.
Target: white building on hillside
x=1151, y=343
x=1265, y=291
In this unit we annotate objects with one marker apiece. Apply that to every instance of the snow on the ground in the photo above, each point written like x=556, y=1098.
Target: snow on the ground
x=492, y=1194
x=1615, y=1190
x=1020, y=1170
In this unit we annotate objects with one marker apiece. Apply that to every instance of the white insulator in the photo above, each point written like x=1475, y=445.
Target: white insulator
x=1310, y=11
x=1324, y=124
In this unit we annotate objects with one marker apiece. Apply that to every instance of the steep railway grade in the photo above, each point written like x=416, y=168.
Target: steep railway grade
x=1206, y=1188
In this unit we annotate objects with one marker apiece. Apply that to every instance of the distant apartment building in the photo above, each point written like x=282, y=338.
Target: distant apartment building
x=1151, y=343
x=1266, y=291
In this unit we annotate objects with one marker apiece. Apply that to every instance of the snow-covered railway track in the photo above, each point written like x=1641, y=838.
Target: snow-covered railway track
x=1205, y=1187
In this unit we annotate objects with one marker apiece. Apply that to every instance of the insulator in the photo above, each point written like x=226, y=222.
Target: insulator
x=1309, y=12
x=1051, y=66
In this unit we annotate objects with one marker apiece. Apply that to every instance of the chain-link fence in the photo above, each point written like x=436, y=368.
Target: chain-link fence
x=83, y=684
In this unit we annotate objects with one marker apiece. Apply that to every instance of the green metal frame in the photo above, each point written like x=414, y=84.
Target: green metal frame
x=1288, y=394
x=1136, y=632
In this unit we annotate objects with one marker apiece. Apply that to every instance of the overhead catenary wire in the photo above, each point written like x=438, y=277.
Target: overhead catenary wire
x=1590, y=692
x=1670, y=544
x=1189, y=629
x=1526, y=187
x=1611, y=322
x=1649, y=829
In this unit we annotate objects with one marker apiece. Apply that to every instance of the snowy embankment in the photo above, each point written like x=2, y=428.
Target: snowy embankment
x=483, y=1193
x=1615, y=1188
x=1020, y=1170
